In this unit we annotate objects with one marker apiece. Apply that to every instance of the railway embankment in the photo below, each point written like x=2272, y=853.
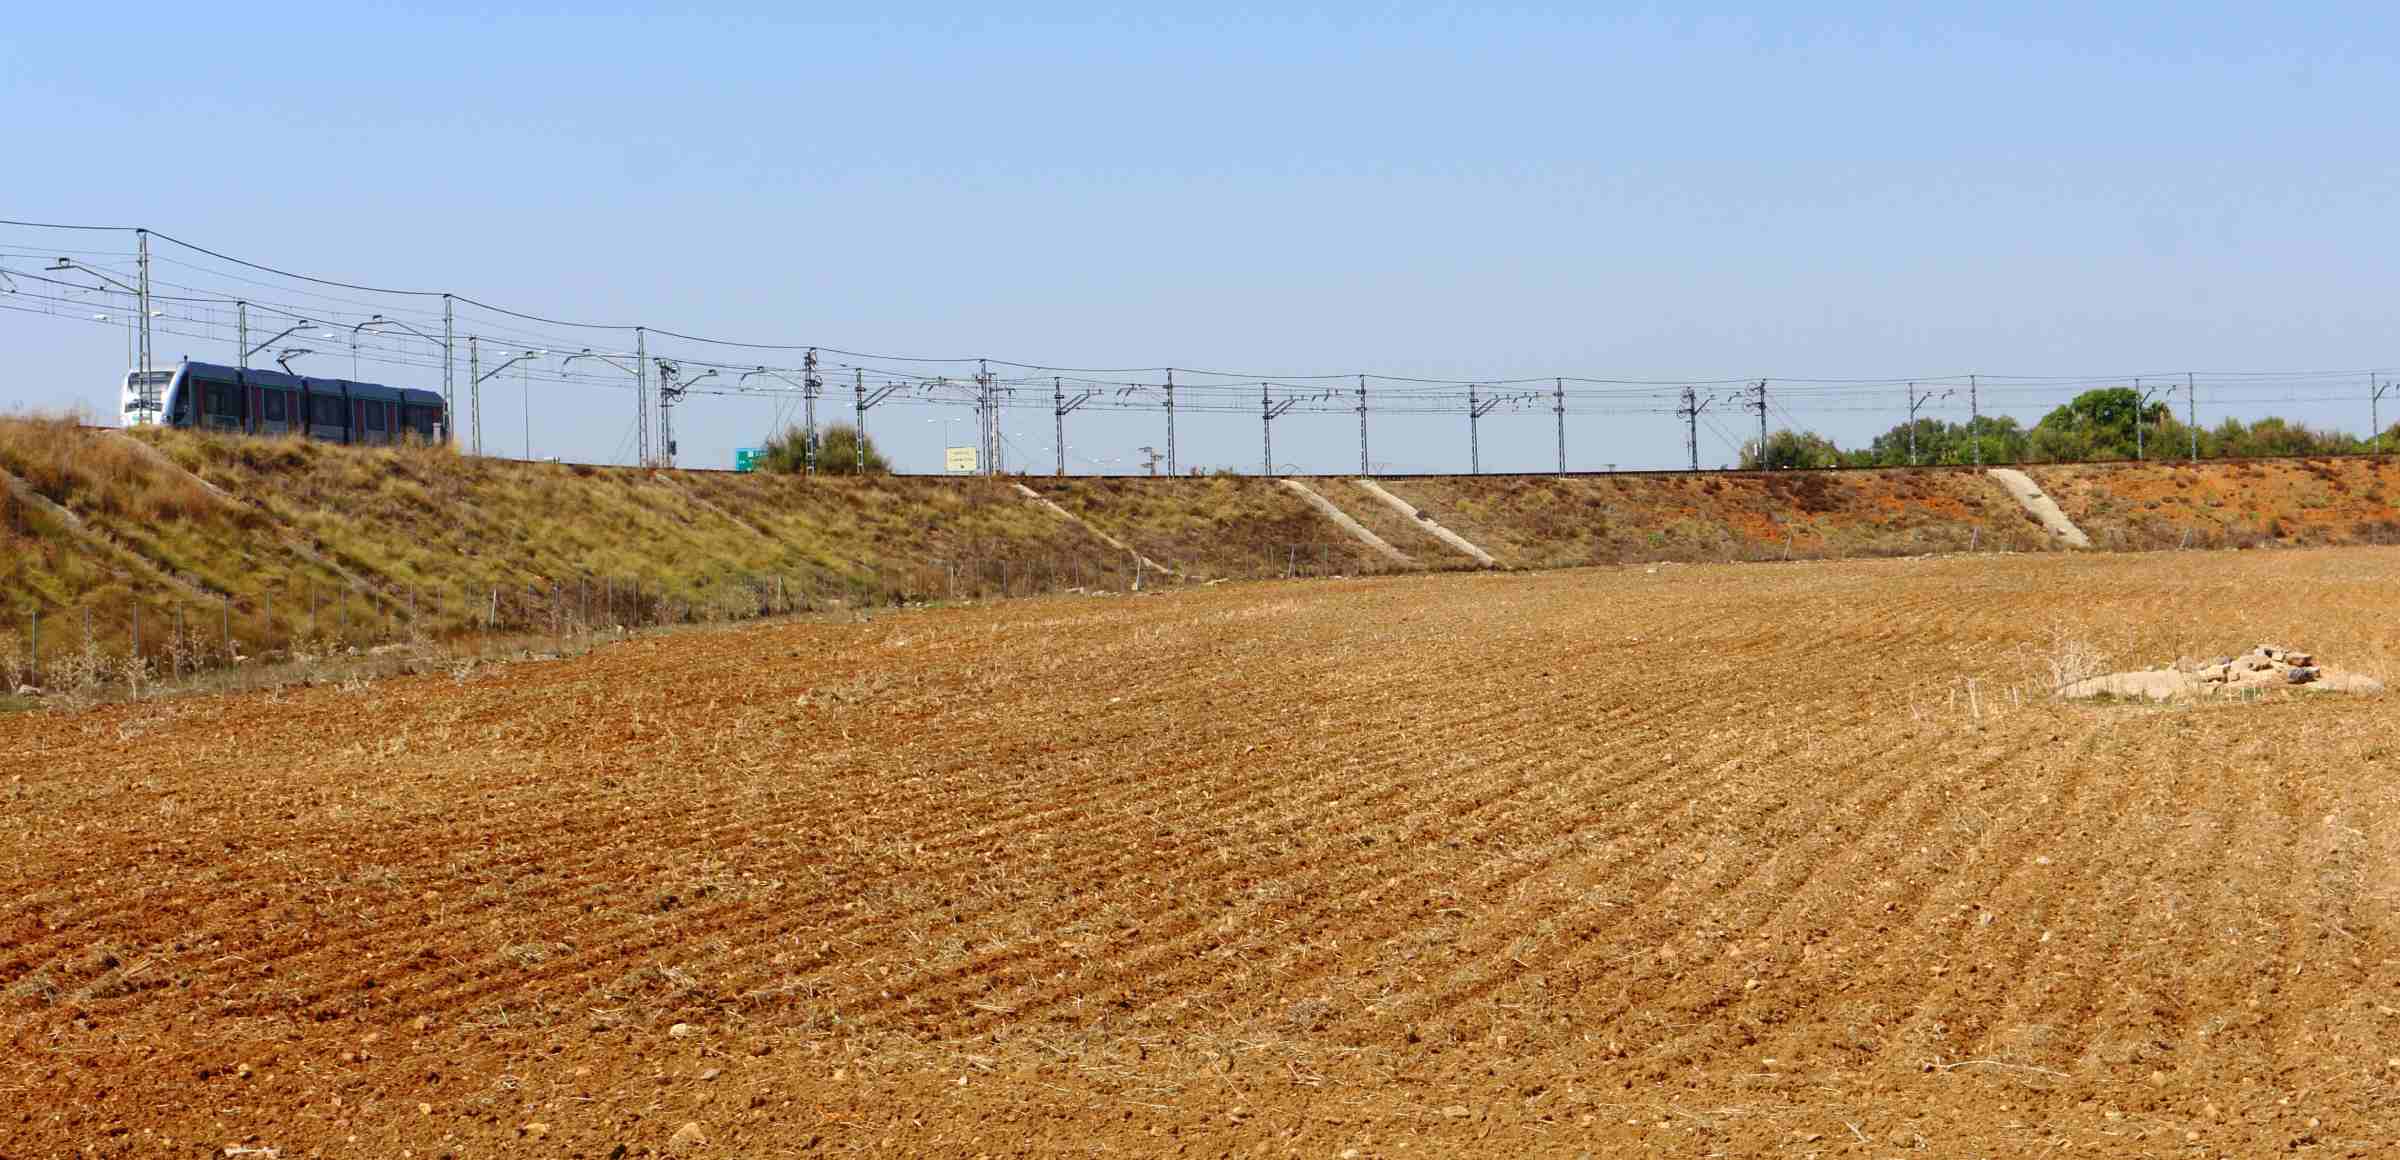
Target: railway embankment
x=195, y=543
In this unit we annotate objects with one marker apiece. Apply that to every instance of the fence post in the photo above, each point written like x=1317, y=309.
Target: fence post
x=180, y=638
x=137, y=632
x=491, y=615
x=225, y=606
x=33, y=656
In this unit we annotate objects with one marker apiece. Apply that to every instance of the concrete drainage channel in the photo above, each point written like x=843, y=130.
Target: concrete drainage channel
x=1441, y=533
x=1342, y=520
x=1104, y=537
x=2029, y=495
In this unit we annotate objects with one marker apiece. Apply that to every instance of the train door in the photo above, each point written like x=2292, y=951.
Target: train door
x=275, y=411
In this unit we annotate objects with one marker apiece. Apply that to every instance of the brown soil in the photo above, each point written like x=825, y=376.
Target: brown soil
x=1536, y=521
x=2224, y=505
x=1423, y=865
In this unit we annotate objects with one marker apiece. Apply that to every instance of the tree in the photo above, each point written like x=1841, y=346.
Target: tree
x=2273, y=436
x=1789, y=450
x=2097, y=424
x=2000, y=438
x=836, y=452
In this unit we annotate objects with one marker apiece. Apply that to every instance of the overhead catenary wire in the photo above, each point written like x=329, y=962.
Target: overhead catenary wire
x=200, y=299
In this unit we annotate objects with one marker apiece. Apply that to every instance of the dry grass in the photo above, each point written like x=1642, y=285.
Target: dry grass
x=1539, y=521
x=1218, y=526
x=96, y=477
x=368, y=546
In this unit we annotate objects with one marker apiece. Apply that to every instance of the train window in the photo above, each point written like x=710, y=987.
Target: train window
x=274, y=405
x=220, y=399
x=326, y=411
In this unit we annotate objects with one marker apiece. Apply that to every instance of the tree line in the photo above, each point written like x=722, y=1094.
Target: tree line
x=2109, y=423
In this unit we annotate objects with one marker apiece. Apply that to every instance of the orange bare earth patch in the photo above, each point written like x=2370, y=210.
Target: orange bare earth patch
x=1696, y=860
x=2234, y=504
x=1536, y=521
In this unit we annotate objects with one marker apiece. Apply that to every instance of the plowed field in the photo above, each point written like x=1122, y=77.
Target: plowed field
x=1782, y=859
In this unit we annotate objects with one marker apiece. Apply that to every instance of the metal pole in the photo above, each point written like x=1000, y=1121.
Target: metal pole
x=241, y=331
x=1266, y=429
x=2138, y=399
x=810, y=384
x=1912, y=424
x=641, y=394
x=449, y=361
x=142, y=238
x=1474, y=440
x=1763, y=464
x=1691, y=435
x=1171, y=421
x=860, y=386
x=983, y=417
x=474, y=396
x=2375, y=408
x=1974, y=413
x=1558, y=389
x=1690, y=413
x=1058, y=401
x=2191, y=413
x=1363, y=469
x=667, y=395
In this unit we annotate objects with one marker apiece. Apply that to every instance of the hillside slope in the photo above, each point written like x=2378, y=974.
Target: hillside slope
x=1543, y=521
x=2249, y=503
x=257, y=545
x=271, y=541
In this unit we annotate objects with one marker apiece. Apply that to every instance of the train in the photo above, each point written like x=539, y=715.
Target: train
x=210, y=397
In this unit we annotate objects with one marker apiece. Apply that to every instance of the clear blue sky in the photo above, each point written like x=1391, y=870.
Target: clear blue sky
x=1782, y=190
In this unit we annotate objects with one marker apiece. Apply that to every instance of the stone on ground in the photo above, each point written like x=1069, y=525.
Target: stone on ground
x=2261, y=668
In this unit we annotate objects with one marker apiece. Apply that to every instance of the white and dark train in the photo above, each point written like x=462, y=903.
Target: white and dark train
x=209, y=397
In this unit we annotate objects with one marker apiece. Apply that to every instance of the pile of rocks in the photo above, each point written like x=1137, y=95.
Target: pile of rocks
x=2265, y=667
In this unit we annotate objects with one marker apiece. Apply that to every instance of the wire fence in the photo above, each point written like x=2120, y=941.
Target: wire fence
x=117, y=640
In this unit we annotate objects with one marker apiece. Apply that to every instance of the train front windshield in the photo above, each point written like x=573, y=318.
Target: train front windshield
x=145, y=395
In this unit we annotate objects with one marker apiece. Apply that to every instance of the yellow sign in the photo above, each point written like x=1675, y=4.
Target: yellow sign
x=961, y=461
